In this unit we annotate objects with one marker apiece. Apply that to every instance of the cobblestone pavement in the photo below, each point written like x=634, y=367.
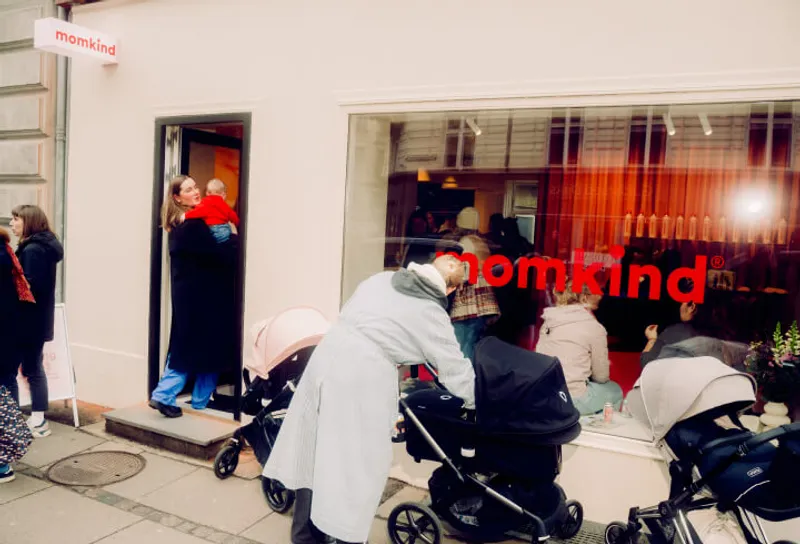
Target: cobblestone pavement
x=173, y=500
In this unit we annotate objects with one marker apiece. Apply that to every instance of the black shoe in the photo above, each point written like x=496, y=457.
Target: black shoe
x=165, y=409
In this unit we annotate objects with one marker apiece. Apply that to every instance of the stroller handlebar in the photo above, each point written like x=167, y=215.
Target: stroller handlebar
x=433, y=372
x=779, y=432
x=742, y=451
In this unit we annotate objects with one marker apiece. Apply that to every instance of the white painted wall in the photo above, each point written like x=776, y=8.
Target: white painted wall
x=289, y=63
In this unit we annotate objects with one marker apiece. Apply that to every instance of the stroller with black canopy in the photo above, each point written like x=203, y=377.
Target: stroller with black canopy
x=692, y=407
x=282, y=346
x=499, y=461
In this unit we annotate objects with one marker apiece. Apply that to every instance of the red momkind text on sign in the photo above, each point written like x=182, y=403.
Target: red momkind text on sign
x=92, y=44
x=586, y=276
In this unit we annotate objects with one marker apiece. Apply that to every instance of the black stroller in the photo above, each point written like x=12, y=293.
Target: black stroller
x=508, y=450
x=282, y=347
x=692, y=406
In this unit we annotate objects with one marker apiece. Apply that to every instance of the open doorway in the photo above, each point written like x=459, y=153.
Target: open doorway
x=204, y=148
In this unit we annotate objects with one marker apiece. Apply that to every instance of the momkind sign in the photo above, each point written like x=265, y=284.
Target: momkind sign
x=57, y=36
x=584, y=276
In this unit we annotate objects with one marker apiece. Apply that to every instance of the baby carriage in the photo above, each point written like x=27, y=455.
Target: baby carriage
x=692, y=406
x=499, y=462
x=282, y=346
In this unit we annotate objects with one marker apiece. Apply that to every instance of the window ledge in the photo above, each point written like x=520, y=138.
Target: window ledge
x=617, y=444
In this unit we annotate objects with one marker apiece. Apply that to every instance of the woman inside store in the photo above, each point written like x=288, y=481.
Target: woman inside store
x=38, y=253
x=571, y=332
x=202, y=340
x=684, y=329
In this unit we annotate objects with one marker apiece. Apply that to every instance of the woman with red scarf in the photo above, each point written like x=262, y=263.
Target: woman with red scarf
x=14, y=292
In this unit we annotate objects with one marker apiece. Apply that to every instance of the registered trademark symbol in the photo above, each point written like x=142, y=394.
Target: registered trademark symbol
x=718, y=261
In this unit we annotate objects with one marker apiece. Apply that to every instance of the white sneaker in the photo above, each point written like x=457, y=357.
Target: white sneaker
x=41, y=430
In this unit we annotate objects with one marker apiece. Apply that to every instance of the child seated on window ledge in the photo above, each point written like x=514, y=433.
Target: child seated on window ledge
x=215, y=211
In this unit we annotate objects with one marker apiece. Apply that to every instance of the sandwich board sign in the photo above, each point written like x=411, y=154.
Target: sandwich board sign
x=57, y=367
x=56, y=36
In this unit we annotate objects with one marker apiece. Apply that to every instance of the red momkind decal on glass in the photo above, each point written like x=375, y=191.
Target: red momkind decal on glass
x=586, y=276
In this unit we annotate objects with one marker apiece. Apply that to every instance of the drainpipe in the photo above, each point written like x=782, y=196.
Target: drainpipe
x=62, y=114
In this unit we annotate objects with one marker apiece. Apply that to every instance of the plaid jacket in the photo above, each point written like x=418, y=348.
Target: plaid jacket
x=474, y=300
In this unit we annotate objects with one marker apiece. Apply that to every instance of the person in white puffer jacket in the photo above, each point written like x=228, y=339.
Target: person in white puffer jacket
x=571, y=333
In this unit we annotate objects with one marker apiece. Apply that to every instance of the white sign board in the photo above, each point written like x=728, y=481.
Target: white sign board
x=57, y=367
x=63, y=38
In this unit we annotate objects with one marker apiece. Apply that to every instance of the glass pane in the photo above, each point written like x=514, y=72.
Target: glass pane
x=685, y=217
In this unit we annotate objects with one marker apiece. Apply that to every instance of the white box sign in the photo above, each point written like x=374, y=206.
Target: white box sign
x=57, y=362
x=63, y=38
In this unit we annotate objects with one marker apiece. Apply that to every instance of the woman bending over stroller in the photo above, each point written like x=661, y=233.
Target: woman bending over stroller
x=335, y=444
x=572, y=334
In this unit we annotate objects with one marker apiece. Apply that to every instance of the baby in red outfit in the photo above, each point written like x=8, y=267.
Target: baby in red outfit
x=215, y=211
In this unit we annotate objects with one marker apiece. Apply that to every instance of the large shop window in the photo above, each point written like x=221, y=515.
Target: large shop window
x=685, y=216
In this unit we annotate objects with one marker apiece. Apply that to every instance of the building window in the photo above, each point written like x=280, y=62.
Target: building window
x=710, y=191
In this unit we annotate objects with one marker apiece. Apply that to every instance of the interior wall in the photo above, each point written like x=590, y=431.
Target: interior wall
x=299, y=146
x=202, y=164
x=226, y=169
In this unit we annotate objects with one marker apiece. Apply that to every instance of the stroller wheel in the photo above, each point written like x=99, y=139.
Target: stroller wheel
x=573, y=522
x=617, y=533
x=278, y=497
x=411, y=523
x=226, y=461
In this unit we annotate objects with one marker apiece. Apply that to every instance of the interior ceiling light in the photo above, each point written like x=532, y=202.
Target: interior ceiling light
x=706, y=125
x=422, y=175
x=669, y=124
x=449, y=183
x=475, y=128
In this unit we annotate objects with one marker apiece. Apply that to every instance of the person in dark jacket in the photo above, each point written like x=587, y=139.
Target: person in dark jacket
x=674, y=333
x=39, y=253
x=15, y=293
x=731, y=353
x=203, y=331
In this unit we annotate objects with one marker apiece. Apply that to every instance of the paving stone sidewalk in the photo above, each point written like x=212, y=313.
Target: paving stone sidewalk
x=174, y=500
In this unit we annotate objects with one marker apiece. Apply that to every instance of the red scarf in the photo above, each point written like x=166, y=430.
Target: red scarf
x=20, y=281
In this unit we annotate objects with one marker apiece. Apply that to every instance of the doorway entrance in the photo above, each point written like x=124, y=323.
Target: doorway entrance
x=203, y=148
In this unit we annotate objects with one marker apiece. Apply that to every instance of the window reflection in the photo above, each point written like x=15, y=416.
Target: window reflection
x=661, y=185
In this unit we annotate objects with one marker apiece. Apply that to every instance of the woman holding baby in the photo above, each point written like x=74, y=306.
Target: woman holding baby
x=203, y=339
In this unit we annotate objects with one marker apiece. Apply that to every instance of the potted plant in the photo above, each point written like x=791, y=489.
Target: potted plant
x=775, y=365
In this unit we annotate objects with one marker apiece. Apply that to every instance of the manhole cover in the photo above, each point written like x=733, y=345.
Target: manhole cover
x=96, y=468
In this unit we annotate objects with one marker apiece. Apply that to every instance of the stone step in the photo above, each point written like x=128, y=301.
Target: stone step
x=195, y=434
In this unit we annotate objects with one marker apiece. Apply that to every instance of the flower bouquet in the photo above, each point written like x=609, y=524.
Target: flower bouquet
x=775, y=365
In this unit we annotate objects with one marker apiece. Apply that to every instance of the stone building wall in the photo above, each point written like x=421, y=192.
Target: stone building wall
x=27, y=109
x=27, y=112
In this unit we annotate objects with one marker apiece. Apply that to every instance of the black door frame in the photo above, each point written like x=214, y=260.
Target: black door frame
x=157, y=237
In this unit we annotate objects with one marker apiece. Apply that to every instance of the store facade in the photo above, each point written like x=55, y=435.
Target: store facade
x=539, y=110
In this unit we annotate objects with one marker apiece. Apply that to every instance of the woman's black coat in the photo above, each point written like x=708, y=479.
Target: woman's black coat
x=203, y=336
x=10, y=308
x=39, y=255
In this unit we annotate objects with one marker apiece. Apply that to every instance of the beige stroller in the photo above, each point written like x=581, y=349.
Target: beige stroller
x=282, y=346
x=691, y=405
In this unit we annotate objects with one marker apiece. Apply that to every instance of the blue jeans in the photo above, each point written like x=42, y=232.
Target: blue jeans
x=172, y=382
x=468, y=332
x=221, y=232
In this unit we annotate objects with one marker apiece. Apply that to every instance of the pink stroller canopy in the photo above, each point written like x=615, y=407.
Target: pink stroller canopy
x=279, y=337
